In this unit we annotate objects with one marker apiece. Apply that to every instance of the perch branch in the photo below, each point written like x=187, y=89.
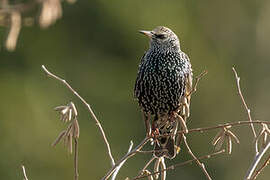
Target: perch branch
x=127, y=156
x=122, y=163
x=48, y=73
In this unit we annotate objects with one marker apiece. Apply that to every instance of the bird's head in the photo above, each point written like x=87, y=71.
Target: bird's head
x=162, y=38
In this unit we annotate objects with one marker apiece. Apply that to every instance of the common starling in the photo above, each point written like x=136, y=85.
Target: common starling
x=162, y=88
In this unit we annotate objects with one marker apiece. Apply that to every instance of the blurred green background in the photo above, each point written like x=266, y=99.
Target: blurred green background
x=96, y=47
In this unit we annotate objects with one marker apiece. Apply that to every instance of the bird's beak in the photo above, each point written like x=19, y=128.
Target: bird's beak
x=147, y=33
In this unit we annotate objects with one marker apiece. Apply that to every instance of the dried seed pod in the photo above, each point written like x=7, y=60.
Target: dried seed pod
x=264, y=140
x=58, y=139
x=220, y=142
x=60, y=108
x=183, y=123
x=229, y=144
x=233, y=136
x=73, y=107
x=156, y=168
x=217, y=137
x=76, y=132
x=69, y=114
x=163, y=168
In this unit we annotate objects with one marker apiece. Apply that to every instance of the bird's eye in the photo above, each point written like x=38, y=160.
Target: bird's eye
x=160, y=36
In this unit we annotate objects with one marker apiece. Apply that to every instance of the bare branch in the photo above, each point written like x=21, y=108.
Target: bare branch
x=172, y=167
x=122, y=163
x=256, y=162
x=48, y=73
x=244, y=102
x=196, y=159
x=24, y=173
x=238, y=123
x=261, y=168
x=127, y=156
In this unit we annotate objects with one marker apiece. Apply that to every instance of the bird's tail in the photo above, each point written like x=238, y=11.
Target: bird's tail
x=165, y=144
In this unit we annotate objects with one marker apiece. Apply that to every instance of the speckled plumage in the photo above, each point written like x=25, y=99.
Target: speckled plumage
x=163, y=76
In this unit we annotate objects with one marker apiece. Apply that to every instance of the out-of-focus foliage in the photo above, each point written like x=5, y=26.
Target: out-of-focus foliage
x=96, y=47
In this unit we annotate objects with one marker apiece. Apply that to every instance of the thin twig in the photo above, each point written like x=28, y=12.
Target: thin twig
x=172, y=167
x=152, y=151
x=24, y=173
x=197, y=79
x=148, y=163
x=76, y=172
x=196, y=159
x=124, y=158
x=122, y=163
x=238, y=123
x=243, y=101
x=88, y=107
x=256, y=162
x=261, y=168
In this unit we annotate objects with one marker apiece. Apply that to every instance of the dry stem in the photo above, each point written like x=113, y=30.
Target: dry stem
x=48, y=73
x=238, y=123
x=197, y=79
x=148, y=163
x=127, y=156
x=24, y=173
x=172, y=167
x=256, y=162
x=122, y=163
x=196, y=159
x=244, y=102
x=76, y=172
x=261, y=168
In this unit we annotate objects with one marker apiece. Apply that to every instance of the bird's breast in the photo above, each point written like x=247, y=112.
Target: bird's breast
x=160, y=84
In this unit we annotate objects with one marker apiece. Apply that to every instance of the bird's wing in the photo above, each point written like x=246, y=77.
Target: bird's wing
x=188, y=87
x=139, y=76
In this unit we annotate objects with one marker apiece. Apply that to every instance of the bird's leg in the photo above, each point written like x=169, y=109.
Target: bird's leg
x=146, y=118
x=155, y=130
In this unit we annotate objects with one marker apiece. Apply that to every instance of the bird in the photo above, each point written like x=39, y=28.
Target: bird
x=162, y=88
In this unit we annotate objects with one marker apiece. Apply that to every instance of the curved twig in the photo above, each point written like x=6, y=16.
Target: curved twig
x=48, y=73
x=244, y=103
